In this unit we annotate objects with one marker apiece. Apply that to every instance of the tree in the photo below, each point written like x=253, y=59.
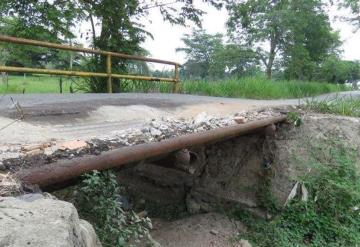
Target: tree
x=55, y=17
x=335, y=70
x=37, y=20
x=119, y=21
x=234, y=60
x=310, y=40
x=30, y=56
x=121, y=30
x=296, y=31
x=354, y=6
x=207, y=56
x=199, y=49
x=256, y=23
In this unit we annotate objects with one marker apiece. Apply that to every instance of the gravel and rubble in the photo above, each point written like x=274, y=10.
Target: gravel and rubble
x=18, y=157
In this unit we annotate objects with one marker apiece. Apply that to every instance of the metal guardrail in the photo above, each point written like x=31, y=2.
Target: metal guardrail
x=109, y=75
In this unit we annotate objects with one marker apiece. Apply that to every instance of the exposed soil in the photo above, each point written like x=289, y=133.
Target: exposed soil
x=202, y=230
x=221, y=176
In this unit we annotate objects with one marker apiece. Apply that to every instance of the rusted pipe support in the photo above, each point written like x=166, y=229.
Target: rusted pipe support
x=62, y=171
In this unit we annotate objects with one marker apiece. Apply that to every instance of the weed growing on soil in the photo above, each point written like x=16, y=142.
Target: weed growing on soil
x=294, y=118
x=99, y=202
x=338, y=106
x=330, y=217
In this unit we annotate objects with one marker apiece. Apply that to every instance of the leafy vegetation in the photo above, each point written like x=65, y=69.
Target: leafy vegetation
x=331, y=215
x=294, y=118
x=354, y=7
x=208, y=57
x=99, y=201
x=259, y=88
x=298, y=32
x=335, y=70
x=338, y=106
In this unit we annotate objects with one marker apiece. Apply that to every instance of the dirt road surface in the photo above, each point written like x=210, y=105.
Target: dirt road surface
x=85, y=116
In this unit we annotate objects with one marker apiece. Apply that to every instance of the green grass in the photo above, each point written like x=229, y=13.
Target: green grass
x=34, y=84
x=249, y=87
x=330, y=217
x=259, y=88
x=338, y=106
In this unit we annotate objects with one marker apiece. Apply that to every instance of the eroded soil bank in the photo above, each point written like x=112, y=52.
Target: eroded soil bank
x=189, y=193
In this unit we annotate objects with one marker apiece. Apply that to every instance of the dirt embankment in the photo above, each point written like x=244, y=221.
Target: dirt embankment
x=241, y=173
x=238, y=173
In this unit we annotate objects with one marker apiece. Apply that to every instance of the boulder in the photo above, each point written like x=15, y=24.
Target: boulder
x=34, y=220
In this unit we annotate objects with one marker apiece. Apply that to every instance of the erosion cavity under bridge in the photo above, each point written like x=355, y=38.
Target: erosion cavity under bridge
x=191, y=173
x=66, y=170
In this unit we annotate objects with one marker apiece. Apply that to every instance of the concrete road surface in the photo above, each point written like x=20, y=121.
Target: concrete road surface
x=84, y=116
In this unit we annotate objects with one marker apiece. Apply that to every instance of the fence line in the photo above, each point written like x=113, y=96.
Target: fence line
x=108, y=74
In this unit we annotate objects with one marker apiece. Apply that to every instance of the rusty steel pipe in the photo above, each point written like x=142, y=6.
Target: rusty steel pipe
x=62, y=171
x=21, y=41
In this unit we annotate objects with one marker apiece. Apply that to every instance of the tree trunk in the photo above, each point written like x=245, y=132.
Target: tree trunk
x=105, y=44
x=269, y=70
x=272, y=55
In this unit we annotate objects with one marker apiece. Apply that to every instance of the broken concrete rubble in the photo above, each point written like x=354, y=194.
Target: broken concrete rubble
x=156, y=130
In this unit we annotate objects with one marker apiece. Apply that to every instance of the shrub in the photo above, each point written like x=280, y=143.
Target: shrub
x=99, y=202
x=330, y=217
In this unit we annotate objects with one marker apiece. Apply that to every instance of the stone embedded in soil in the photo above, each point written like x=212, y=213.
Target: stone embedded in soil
x=2, y=166
x=240, y=120
x=72, y=145
x=28, y=148
x=155, y=132
x=34, y=152
x=243, y=243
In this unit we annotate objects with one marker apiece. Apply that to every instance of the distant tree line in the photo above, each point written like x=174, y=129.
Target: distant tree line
x=285, y=39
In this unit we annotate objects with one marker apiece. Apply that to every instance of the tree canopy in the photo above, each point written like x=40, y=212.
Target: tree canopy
x=208, y=56
x=299, y=32
x=354, y=6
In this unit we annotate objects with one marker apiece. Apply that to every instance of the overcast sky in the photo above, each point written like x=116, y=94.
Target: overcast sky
x=167, y=37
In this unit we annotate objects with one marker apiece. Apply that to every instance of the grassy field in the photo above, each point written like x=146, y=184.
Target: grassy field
x=251, y=87
x=34, y=84
x=259, y=88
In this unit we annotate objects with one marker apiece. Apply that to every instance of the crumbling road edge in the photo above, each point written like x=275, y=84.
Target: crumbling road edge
x=65, y=170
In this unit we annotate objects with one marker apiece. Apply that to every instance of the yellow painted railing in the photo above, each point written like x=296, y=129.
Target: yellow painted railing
x=108, y=74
